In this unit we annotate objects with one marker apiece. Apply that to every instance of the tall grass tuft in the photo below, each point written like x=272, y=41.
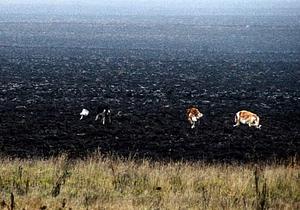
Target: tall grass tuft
x=99, y=182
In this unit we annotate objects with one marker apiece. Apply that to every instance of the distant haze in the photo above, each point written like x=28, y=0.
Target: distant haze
x=164, y=3
x=152, y=7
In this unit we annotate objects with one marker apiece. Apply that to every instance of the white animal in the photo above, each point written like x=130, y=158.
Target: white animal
x=83, y=113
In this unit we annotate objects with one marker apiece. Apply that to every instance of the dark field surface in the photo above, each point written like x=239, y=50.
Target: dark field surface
x=150, y=72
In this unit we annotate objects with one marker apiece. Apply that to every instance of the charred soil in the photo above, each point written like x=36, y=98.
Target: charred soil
x=44, y=88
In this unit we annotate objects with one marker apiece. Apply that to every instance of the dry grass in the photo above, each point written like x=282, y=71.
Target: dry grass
x=115, y=183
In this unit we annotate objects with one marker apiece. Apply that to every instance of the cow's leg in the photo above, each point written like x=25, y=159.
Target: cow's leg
x=237, y=124
x=236, y=120
x=193, y=125
x=109, y=119
x=258, y=126
x=253, y=124
x=103, y=119
x=190, y=121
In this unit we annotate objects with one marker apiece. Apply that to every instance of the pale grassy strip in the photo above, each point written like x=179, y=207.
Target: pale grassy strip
x=116, y=183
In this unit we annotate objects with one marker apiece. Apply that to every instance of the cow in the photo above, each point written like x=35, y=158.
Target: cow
x=84, y=113
x=104, y=112
x=193, y=114
x=246, y=117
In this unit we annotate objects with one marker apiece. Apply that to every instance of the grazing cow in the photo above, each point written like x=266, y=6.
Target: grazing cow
x=105, y=113
x=193, y=114
x=246, y=117
x=83, y=113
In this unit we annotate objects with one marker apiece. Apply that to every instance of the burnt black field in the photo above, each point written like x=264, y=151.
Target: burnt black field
x=149, y=70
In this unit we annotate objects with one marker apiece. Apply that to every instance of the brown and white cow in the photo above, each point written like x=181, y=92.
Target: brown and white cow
x=246, y=117
x=193, y=114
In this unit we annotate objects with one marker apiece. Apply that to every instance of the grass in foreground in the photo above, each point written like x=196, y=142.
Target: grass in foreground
x=115, y=183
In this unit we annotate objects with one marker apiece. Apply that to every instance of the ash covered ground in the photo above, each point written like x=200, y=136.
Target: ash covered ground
x=149, y=71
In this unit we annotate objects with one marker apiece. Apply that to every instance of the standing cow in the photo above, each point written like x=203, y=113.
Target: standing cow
x=104, y=112
x=193, y=114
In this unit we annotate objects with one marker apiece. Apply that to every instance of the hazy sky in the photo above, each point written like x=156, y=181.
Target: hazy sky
x=153, y=7
x=167, y=3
